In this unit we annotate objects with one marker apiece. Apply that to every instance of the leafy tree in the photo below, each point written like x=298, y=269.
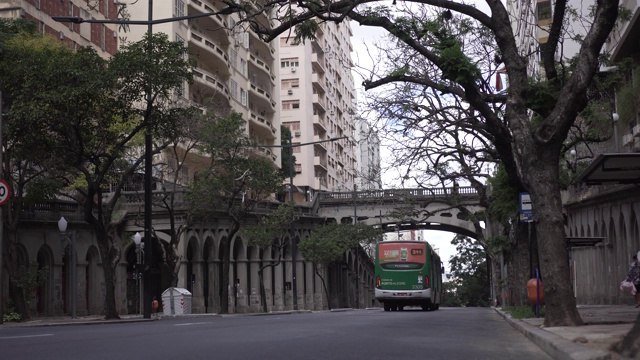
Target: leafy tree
x=89, y=110
x=26, y=170
x=233, y=183
x=450, y=297
x=452, y=48
x=32, y=279
x=270, y=233
x=328, y=244
x=470, y=269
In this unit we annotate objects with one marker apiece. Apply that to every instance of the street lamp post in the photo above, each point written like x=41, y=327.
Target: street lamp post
x=137, y=240
x=62, y=226
x=294, y=246
x=150, y=270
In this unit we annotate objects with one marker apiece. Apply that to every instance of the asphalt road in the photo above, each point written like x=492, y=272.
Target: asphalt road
x=449, y=333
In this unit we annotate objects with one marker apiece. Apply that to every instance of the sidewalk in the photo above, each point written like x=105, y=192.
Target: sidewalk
x=604, y=326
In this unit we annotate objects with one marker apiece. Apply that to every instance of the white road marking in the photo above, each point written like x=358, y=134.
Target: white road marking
x=25, y=336
x=189, y=324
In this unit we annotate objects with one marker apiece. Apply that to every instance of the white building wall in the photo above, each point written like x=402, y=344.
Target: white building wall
x=318, y=104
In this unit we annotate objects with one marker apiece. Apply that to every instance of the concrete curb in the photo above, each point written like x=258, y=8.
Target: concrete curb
x=554, y=345
x=76, y=322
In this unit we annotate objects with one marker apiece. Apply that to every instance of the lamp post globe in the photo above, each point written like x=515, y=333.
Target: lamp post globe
x=62, y=224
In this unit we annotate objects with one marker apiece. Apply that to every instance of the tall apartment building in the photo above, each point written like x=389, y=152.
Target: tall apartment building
x=368, y=157
x=234, y=71
x=317, y=104
x=101, y=37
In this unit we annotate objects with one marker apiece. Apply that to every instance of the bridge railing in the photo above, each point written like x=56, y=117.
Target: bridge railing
x=391, y=194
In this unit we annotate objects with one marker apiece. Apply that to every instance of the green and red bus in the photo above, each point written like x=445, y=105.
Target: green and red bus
x=408, y=273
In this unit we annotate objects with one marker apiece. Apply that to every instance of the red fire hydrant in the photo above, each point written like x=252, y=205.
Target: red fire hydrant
x=154, y=305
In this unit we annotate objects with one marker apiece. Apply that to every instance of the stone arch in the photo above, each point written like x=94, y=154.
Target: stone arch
x=191, y=259
x=239, y=274
x=209, y=264
x=253, y=282
x=50, y=291
x=133, y=280
x=634, y=233
x=94, y=278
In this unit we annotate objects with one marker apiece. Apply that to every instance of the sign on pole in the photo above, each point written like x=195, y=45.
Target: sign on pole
x=5, y=192
x=526, y=210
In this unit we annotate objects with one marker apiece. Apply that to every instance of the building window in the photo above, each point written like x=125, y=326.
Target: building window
x=243, y=97
x=291, y=104
x=178, y=9
x=233, y=88
x=233, y=57
x=290, y=62
x=290, y=83
x=103, y=38
x=70, y=14
x=543, y=10
x=243, y=67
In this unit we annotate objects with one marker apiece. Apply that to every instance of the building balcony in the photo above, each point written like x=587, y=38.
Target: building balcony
x=318, y=121
x=259, y=94
x=320, y=162
x=261, y=122
x=318, y=63
x=318, y=83
x=207, y=6
x=208, y=84
x=318, y=101
x=207, y=52
x=261, y=65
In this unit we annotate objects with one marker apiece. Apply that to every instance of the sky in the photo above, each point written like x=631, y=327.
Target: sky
x=364, y=36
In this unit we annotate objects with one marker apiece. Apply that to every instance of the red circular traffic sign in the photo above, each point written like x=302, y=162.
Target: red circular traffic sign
x=5, y=192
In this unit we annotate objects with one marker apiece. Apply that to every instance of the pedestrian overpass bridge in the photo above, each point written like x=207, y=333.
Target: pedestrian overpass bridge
x=405, y=209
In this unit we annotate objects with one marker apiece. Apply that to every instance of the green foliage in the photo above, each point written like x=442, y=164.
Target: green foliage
x=497, y=244
x=522, y=312
x=328, y=244
x=504, y=197
x=469, y=268
x=287, y=152
x=32, y=279
x=627, y=98
x=10, y=313
x=450, y=297
x=271, y=229
x=541, y=96
x=306, y=30
x=237, y=176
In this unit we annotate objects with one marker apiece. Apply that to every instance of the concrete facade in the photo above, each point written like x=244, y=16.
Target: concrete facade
x=317, y=104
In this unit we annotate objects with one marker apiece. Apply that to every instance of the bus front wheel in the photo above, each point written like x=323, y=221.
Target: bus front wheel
x=387, y=307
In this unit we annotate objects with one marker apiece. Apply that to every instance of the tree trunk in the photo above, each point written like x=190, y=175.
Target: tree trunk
x=560, y=301
x=629, y=346
x=519, y=264
x=109, y=311
x=12, y=265
x=324, y=286
x=226, y=262
x=263, y=291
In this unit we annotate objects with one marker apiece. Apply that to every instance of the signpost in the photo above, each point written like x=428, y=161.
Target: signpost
x=526, y=211
x=5, y=192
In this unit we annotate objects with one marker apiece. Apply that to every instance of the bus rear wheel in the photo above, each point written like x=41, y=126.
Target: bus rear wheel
x=387, y=307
